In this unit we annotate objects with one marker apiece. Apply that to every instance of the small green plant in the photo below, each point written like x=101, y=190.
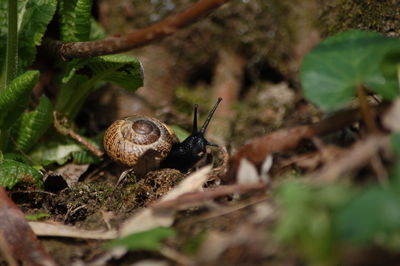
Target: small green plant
x=148, y=240
x=23, y=24
x=318, y=220
x=334, y=69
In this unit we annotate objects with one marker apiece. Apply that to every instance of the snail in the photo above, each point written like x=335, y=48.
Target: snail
x=145, y=143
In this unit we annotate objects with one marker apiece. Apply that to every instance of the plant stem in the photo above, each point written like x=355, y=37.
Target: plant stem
x=12, y=43
x=366, y=111
x=10, y=69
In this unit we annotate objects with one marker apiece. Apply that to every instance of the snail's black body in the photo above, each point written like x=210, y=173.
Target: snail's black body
x=145, y=143
x=186, y=154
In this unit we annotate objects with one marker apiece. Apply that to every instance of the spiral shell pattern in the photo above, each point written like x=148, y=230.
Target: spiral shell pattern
x=126, y=140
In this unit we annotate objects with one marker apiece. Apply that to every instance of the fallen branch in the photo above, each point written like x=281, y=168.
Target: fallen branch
x=113, y=45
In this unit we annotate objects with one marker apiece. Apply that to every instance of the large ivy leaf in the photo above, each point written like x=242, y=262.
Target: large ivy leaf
x=13, y=172
x=148, y=240
x=32, y=125
x=331, y=72
x=75, y=20
x=15, y=98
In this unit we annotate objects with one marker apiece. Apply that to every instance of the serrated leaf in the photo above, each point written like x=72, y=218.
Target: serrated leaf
x=75, y=20
x=15, y=98
x=97, y=31
x=331, y=72
x=82, y=75
x=13, y=172
x=33, y=18
x=32, y=125
x=148, y=240
x=16, y=157
x=123, y=70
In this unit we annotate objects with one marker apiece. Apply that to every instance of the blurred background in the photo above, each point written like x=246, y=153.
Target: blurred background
x=248, y=52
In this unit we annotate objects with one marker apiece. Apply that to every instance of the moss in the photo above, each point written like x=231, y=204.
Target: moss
x=340, y=15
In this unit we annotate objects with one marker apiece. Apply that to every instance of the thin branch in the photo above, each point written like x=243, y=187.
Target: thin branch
x=366, y=111
x=112, y=45
x=66, y=131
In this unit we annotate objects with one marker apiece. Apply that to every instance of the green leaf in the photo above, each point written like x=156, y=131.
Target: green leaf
x=123, y=70
x=60, y=153
x=84, y=157
x=82, y=75
x=32, y=125
x=13, y=172
x=331, y=72
x=15, y=98
x=33, y=18
x=54, y=153
x=75, y=20
x=180, y=132
x=37, y=216
x=305, y=220
x=17, y=157
x=97, y=31
x=148, y=240
x=373, y=213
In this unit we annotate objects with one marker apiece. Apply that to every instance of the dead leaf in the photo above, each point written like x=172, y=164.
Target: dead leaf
x=392, y=117
x=72, y=172
x=354, y=158
x=198, y=198
x=247, y=173
x=17, y=238
x=286, y=139
x=60, y=230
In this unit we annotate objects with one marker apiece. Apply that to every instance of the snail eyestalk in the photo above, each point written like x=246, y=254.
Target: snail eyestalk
x=195, y=130
x=210, y=115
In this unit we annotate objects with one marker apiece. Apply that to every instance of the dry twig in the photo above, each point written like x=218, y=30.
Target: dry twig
x=67, y=131
x=196, y=198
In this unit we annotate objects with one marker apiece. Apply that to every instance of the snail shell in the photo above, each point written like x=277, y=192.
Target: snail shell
x=139, y=140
